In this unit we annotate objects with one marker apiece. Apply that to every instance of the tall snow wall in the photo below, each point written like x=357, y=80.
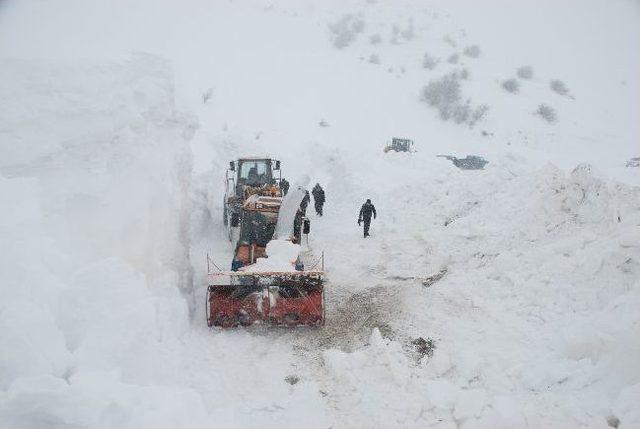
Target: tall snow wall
x=95, y=227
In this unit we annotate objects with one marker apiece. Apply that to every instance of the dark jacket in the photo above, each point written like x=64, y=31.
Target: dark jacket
x=305, y=202
x=284, y=185
x=366, y=211
x=297, y=226
x=318, y=194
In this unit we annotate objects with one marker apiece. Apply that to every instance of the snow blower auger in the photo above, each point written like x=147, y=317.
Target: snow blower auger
x=273, y=298
x=268, y=283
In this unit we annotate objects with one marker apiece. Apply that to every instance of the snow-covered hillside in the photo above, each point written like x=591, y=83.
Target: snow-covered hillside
x=117, y=122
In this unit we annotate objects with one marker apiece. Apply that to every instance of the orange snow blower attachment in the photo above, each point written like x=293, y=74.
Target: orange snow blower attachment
x=268, y=282
x=273, y=298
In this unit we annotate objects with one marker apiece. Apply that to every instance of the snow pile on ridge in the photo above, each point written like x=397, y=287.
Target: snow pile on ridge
x=535, y=318
x=282, y=256
x=384, y=385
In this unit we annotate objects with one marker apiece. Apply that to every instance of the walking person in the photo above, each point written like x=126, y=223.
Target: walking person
x=284, y=185
x=318, y=198
x=297, y=226
x=305, y=202
x=366, y=211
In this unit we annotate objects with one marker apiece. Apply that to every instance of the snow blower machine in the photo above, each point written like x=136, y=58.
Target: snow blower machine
x=273, y=280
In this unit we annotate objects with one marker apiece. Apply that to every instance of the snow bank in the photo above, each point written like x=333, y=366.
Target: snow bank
x=533, y=321
x=94, y=250
x=380, y=383
x=363, y=382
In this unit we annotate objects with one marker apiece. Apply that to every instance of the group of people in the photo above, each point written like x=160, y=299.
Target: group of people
x=367, y=211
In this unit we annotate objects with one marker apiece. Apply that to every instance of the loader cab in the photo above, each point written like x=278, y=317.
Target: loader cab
x=255, y=172
x=245, y=177
x=252, y=172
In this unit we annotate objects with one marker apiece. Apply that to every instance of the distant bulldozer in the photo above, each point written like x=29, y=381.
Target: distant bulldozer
x=399, y=145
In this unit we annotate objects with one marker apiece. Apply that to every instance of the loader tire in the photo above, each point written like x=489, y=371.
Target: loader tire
x=235, y=219
x=291, y=319
x=243, y=318
x=223, y=322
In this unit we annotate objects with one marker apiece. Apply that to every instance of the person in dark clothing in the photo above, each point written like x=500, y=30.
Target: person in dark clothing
x=305, y=202
x=366, y=211
x=252, y=177
x=284, y=185
x=318, y=198
x=297, y=226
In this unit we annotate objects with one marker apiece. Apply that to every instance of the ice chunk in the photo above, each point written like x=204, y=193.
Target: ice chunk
x=442, y=393
x=626, y=406
x=440, y=363
x=470, y=403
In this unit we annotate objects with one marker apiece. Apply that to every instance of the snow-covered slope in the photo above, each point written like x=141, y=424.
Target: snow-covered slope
x=116, y=125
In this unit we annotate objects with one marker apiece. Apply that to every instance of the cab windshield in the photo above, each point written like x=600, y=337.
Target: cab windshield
x=256, y=172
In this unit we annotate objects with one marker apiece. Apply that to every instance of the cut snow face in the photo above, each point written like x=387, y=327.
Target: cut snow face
x=282, y=256
x=94, y=244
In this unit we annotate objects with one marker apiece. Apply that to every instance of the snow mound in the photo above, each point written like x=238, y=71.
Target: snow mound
x=282, y=256
x=363, y=379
